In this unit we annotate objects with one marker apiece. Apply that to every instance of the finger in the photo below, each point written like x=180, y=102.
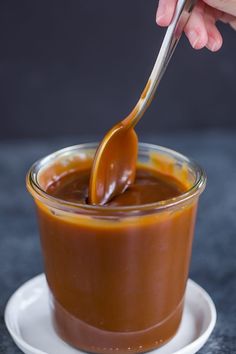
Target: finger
x=215, y=40
x=165, y=12
x=233, y=24
x=229, y=19
x=228, y=6
x=195, y=29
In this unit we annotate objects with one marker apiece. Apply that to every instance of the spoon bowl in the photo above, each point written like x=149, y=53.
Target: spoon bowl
x=114, y=169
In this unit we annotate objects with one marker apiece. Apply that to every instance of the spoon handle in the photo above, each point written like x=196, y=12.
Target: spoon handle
x=171, y=39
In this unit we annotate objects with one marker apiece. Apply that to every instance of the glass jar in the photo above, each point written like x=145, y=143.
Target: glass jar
x=116, y=275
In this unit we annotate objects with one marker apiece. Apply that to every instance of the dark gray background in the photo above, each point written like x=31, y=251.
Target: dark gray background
x=76, y=67
x=73, y=68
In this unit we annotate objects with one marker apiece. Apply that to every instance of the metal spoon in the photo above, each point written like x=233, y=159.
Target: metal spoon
x=114, y=164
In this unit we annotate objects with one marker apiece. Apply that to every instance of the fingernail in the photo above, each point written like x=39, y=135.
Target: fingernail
x=161, y=13
x=212, y=44
x=214, y=47
x=159, y=18
x=194, y=38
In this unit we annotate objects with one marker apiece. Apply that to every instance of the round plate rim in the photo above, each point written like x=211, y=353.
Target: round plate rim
x=41, y=277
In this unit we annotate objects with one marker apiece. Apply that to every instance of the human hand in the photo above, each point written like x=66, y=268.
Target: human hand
x=201, y=28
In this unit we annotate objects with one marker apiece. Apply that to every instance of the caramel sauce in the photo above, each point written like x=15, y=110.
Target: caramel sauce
x=149, y=186
x=145, y=91
x=117, y=283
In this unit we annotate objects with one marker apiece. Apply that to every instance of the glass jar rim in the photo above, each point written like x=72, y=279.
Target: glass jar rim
x=39, y=193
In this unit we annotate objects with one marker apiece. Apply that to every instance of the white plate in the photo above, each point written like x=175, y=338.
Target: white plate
x=28, y=320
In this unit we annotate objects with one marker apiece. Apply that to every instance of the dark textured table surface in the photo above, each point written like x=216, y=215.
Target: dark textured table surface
x=214, y=256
